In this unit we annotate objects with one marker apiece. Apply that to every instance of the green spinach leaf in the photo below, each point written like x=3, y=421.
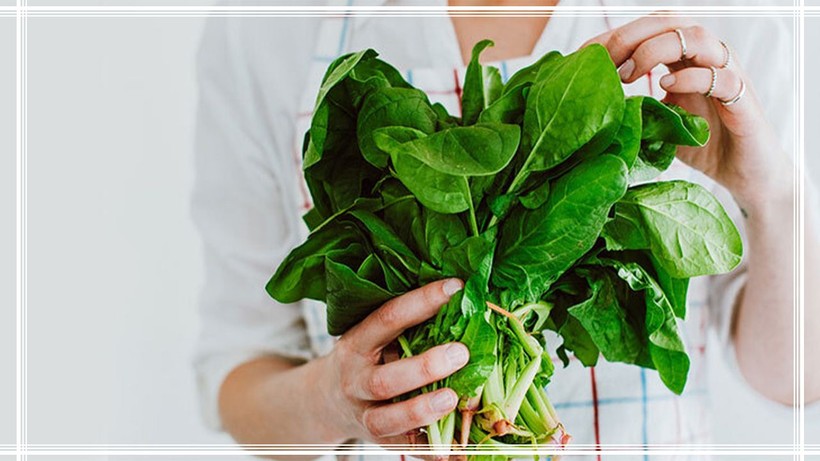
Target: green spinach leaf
x=537, y=246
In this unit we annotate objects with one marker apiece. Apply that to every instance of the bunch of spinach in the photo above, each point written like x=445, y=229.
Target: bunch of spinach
x=538, y=197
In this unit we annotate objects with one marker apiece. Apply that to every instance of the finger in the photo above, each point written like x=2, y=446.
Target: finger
x=702, y=49
x=398, y=418
x=396, y=378
x=699, y=80
x=389, y=321
x=623, y=41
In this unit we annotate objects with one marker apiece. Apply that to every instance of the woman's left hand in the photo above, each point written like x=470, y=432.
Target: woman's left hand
x=743, y=154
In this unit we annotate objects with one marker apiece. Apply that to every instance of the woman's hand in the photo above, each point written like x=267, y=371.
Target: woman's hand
x=745, y=157
x=743, y=153
x=356, y=386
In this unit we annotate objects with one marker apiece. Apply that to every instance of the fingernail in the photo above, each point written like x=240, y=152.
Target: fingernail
x=626, y=69
x=457, y=354
x=444, y=401
x=667, y=80
x=452, y=286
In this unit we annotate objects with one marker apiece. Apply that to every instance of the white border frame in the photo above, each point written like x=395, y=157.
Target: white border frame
x=22, y=11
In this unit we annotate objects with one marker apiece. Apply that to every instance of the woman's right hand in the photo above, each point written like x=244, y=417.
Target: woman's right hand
x=356, y=386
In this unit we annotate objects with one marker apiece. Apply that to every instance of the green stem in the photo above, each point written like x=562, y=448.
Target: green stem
x=494, y=389
x=530, y=344
x=405, y=346
x=434, y=435
x=518, y=179
x=516, y=396
x=541, y=407
x=525, y=309
x=473, y=221
x=510, y=377
x=480, y=437
x=448, y=430
x=471, y=208
x=532, y=419
x=543, y=394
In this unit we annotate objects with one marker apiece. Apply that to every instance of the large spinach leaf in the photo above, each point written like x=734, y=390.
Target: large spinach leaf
x=683, y=224
x=606, y=321
x=578, y=101
x=666, y=347
x=537, y=246
x=482, y=86
x=402, y=107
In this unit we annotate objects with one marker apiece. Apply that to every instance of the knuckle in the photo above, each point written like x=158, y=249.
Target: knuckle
x=388, y=315
x=372, y=423
x=644, y=53
x=617, y=40
x=697, y=32
x=343, y=346
x=377, y=386
x=345, y=351
x=428, y=368
x=419, y=411
x=348, y=387
x=432, y=295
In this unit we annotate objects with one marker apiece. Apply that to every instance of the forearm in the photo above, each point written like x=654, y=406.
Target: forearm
x=271, y=401
x=764, y=324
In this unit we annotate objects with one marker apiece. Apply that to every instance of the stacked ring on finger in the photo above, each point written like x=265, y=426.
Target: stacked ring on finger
x=724, y=85
x=727, y=53
x=694, y=45
x=682, y=40
x=638, y=47
x=712, y=86
x=740, y=93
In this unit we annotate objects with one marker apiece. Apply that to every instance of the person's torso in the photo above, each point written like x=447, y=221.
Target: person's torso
x=610, y=403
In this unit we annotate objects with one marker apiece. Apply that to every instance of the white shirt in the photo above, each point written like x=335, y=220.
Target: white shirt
x=258, y=82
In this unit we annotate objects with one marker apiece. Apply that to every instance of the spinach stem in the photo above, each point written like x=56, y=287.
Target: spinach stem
x=522, y=174
x=494, y=389
x=434, y=435
x=448, y=430
x=493, y=220
x=405, y=346
x=543, y=394
x=519, y=391
x=471, y=405
x=470, y=207
x=531, y=346
x=485, y=441
x=518, y=179
x=541, y=408
x=473, y=221
x=532, y=419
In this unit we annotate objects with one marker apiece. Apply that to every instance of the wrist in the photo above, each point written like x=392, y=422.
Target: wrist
x=325, y=404
x=771, y=200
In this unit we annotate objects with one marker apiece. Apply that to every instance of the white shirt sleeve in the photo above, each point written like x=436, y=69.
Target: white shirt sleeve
x=245, y=200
